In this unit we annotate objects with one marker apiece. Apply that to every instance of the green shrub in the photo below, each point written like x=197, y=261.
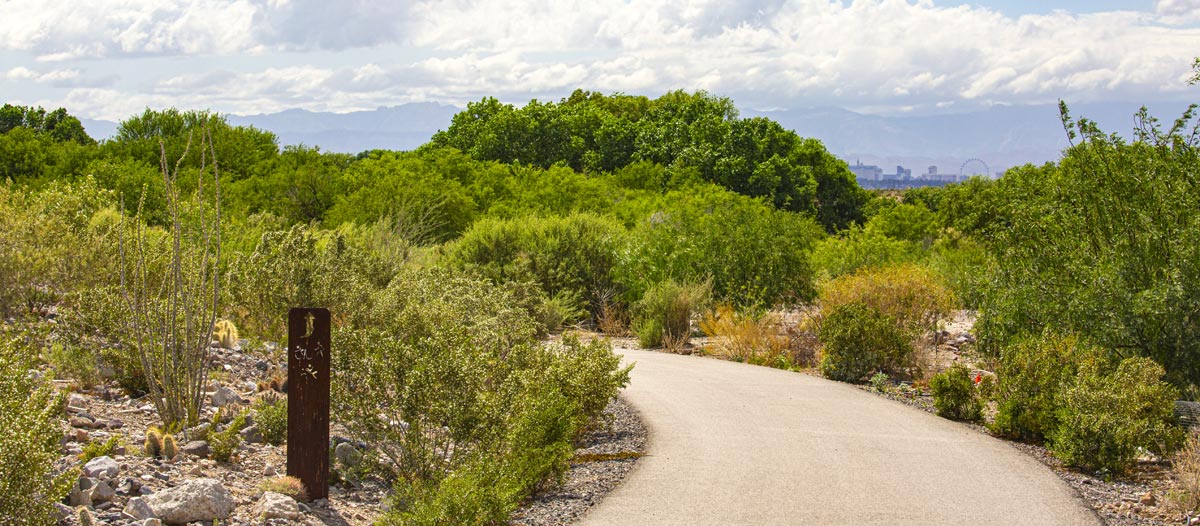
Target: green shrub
x=857, y=249
x=74, y=362
x=223, y=444
x=569, y=258
x=752, y=254
x=95, y=449
x=453, y=363
x=31, y=424
x=955, y=396
x=664, y=315
x=880, y=381
x=299, y=266
x=1096, y=246
x=1106, y=419
x=909, y=294
x=1032, y=376
x=271, y=416
x=857, y=340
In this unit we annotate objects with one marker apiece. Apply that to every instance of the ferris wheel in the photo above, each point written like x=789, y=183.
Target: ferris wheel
x=975, y=163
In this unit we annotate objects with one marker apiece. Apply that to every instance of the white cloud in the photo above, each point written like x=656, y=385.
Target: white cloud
x=55, y=77
x=1176, y=7
x=764, y=53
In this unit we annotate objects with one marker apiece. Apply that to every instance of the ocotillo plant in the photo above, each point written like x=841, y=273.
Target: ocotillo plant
x=171, y=288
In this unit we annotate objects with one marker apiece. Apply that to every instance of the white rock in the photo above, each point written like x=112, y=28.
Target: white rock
x=347, y=454
x=225, y=396
x=102, y=468
x=81, y=492
x=197, y=500
x=103, y=492
x=137, y=509
x=251, y=435
x=277, y=506
x=152, y=522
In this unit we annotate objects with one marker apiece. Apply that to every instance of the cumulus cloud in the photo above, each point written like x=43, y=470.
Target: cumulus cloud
x=906, y=55
x=1176, y=7
x=62, y=78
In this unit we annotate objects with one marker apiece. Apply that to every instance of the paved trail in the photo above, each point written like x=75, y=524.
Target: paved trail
x=734, y=444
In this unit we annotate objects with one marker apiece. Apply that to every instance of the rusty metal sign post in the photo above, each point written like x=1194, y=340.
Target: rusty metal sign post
x=308, y=400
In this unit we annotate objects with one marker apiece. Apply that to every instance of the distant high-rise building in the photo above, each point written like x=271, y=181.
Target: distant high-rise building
x=866, y=172
x=932, y=170
x=903, y=173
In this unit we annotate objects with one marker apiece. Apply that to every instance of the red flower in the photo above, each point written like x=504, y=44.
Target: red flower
x=978, y=378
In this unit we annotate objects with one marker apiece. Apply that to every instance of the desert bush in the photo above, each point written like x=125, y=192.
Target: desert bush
x=1032, y=376
x=857, y=249
x=73, y=362
x=448, y=379
x=299, y=266
x=224, y=444
x=568, y=257
x=96, y=319
x=955, y=395
x=95, y=448
x=1185, y=469
x=964, y=265
x=858, y=339
x=753, y=255
x=1106, y=418
x=1107, y=244
x=31, y=425
x=271, y=416
x=911, y=222
x=910, y=295
x=49, y=249
x=746, y=337
x=663, y=317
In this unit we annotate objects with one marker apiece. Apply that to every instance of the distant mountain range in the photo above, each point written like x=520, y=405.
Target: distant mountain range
x=1001, y=136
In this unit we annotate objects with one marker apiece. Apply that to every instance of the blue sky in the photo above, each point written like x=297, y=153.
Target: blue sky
x=112, y=58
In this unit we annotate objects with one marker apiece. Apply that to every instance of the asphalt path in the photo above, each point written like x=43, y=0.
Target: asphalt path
x=734, y=444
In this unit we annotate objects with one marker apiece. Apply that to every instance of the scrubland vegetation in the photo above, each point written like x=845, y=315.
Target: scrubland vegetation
x=445, y=267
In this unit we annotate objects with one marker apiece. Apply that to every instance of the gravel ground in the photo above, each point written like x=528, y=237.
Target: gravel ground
x=601, y=463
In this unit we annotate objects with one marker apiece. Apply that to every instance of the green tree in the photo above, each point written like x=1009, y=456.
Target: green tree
x=1106, y=243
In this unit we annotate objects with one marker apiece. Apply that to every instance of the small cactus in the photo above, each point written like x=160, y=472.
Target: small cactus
x=169, y=448
x=85, y=516
x=154, y=442
x=225, y=332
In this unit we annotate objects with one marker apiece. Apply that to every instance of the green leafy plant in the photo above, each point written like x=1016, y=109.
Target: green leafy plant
x=955, y=395
x=1032, y=376
x=95, y=449
x=880, y=381
x=857, y=340
x=271, y=417
x=31, y=423
x=224, y=444
x=1106, y=419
